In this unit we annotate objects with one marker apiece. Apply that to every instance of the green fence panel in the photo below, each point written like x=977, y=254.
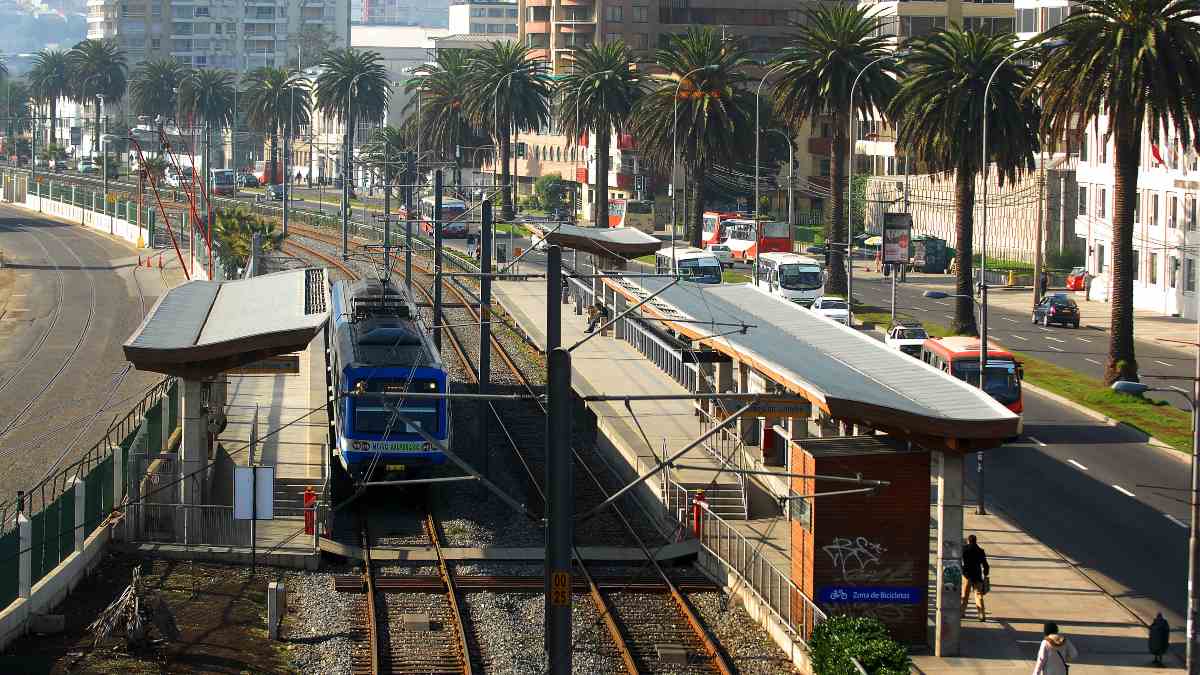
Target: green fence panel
x=10, y=567
x=154, y=422
x=66, y=524
x=93, y=496
x=173, y=405
x=44, y=541
x=105, y=472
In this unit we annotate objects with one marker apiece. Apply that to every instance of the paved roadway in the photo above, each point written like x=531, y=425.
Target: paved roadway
x=68, y=300
x=1083, y=350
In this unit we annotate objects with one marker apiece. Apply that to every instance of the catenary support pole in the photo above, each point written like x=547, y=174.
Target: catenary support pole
x=485, y=326
x=437, y=259
x=553, y=298
x=1193, y=647
x=983, y=354
x=346, y=195
x=559, y=511
x=408, y=222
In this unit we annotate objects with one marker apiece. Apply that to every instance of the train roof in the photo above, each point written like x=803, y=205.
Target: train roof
x=377, y=324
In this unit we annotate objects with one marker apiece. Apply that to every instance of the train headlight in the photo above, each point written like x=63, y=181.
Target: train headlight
x=433, y=386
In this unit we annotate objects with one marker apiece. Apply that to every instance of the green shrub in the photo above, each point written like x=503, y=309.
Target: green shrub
x=835, y=640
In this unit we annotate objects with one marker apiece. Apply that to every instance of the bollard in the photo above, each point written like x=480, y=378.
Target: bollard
x=310, y=516
x=697, y=507
x=275, y=608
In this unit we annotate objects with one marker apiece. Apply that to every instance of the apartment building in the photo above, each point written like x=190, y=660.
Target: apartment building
x=495, y=18
x=235, y=34
x=424, y=13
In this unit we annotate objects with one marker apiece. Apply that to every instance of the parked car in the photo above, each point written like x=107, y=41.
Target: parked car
x=834, y=309
x=1057, y=308
x=87, y=166
x=815, y=250
x=722, y=252
x=245, y=179
x=1077, y=279
x=907, y=336
x=275, y=192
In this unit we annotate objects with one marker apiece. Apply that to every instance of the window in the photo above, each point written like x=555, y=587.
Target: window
x=915, y=26
x=155, y=43
x=479, y=11
x=479, y=28
x=1172, y=211
x=181, y=29
x=1101, y=259
x=1137, y=259
x=1152, y=216
x=1153, y=269
x=510, y=28
x=1173, y=274
x=1083, y=200
x=1083, y=148
x=988, y=24
x=495, y=28
x=1027, y=21
x=1189, y=275
x=534, y=40
x=1101, y=202
x=217, y=27
x=824, y=167
x=612, y=37
x=1137, y=207
x=182, y=12
x=201, y=11
x=1189, y=212
x=510, y=13
x=641, y=40
x=641, y=14
x=1054, y=16
x=155, y=10
x=613, y=13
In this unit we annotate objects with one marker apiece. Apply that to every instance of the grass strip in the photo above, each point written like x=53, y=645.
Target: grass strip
x=1154, y=418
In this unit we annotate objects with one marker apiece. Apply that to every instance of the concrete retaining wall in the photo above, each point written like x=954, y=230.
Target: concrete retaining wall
x=100, y=222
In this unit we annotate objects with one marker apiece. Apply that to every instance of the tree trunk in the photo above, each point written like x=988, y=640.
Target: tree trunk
x=1127, y=147
x=506, y=205
x=347, y=171
x=964, y=224
x=274, y=170
x=96, y=133
x=53, y=118
x=835, y=282
x=601, y=196
x=696, y=216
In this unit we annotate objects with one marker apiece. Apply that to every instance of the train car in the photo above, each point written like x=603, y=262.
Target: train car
x=379, y=348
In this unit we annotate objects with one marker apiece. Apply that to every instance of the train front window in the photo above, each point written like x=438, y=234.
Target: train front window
x=374, y=414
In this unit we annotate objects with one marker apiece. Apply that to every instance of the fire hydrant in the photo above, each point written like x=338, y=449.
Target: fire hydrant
x=310, y=511
x=698, y=503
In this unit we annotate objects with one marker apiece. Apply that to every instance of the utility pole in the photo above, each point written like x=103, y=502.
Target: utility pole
x=437, y=259
x=1037, y=241
x=485, y=326
x=560, y=497
x=346, y=188
x=1193, y=645
x=408, y=222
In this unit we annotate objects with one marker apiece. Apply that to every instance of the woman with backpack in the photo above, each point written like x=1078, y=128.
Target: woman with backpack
x=1055, y=654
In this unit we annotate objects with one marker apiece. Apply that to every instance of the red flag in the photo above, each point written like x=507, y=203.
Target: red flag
x=1157, y=156
x=583, y=139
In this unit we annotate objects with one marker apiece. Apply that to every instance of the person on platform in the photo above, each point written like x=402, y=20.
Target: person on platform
x=597, y=314
x=975, y=576
x=1056, y=653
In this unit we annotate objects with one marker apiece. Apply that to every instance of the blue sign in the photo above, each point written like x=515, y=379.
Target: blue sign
x=875, y=595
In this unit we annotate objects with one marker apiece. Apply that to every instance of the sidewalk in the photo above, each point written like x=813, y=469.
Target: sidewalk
x=1033, y=584
x=1148, y=326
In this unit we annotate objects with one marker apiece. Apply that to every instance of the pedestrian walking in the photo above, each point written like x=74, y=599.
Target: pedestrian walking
x=1160, y=637
x=975, y=576
x=1043, y=284
x=597, y=313
x=1056, y=653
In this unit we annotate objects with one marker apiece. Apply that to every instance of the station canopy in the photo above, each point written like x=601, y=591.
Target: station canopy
x=202, y=328
x=610, y=242
x=849, y=375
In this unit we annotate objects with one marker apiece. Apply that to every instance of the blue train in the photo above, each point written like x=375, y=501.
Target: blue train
x=378, y=344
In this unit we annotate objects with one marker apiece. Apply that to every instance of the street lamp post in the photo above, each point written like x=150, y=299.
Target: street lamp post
x=578, y=100
x=104, y=161
x=346, y=167
x=850, y=188
x=757, y=143
x=675, y=155
x=1193, y=610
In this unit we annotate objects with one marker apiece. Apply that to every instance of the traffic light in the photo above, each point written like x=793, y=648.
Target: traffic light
x=458, y=152
x=520, y=151
x=639, y=183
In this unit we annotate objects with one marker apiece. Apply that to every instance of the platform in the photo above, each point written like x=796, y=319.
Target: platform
x=607, y=365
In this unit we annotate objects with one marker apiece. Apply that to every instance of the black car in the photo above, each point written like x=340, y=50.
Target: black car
x=275, y=192
x=1057, y=308
x=247, y=180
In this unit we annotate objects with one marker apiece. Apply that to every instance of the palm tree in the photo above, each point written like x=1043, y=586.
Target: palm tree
x=154, y=87
x=442, y=86
x=353, y=87
x=816, y=72
x=276, y=103
x=50, y=79
x=939, y=110
x=235, y=230
x=97, y=68
x=1135, y=61
x=208, y=95
x=597, y=97
x=383, y=153
x=509, y=90
x=18, y=103
x=716, y=111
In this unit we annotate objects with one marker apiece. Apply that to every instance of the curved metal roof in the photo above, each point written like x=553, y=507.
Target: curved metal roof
x=849, y=375
x=202, y=328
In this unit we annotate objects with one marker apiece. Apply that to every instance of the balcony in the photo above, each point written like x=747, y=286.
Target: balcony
x=626, y=142
x=820, y=146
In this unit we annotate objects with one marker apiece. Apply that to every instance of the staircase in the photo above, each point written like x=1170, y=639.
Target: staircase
x=289, y=495
x=726, y=497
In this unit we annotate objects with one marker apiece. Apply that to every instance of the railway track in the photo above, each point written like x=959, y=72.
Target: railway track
x=638, y=635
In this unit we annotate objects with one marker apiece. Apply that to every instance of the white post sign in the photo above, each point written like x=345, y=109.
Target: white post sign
x=254, y=493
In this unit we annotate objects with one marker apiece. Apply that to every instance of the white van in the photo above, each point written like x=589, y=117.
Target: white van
x=793, y=277
x=701, y=267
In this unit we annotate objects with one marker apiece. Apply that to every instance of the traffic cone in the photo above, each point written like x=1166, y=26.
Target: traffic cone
x=160, y=261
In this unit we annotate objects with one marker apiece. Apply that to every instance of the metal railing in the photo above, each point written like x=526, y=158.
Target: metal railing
x=742, y=558
x=205, y=524
x=666, y=357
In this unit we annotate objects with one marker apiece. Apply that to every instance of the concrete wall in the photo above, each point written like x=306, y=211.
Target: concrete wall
x=100, y=222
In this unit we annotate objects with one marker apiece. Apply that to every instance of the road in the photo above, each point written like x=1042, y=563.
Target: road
x=68, y=300
x=1081, y=349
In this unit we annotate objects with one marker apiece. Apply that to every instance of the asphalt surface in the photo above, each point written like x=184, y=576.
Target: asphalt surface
x=1080, y=349
x=69, y=300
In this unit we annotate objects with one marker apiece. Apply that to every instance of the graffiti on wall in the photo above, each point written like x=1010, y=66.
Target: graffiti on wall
x=854, y=557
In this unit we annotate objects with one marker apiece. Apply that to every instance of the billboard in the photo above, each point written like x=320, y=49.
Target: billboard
x=897, y=231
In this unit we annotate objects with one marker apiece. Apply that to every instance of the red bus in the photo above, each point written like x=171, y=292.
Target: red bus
x=959, y=356
x=738, y=235
x=454, y=223
x=713, y=233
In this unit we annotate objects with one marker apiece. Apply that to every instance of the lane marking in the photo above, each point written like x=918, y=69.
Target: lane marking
x=1093, y=361
x=1018, y=337
x=1053, y=339
x=1083, y=339
x=1164, y=363
x=1077, y=465
x=1036, y=441
x=1054, y=348
x=1043, y=328
x=1175, y=520
x=951, y=316
x=1123, y=491
x=1008, y=319
x=17, y=295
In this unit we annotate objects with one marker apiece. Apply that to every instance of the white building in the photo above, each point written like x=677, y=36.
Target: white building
x=235, y=34
x=495, y=18
x=424, y=13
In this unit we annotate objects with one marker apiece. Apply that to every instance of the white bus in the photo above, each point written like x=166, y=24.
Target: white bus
x=695, y=265
x=794, y=278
